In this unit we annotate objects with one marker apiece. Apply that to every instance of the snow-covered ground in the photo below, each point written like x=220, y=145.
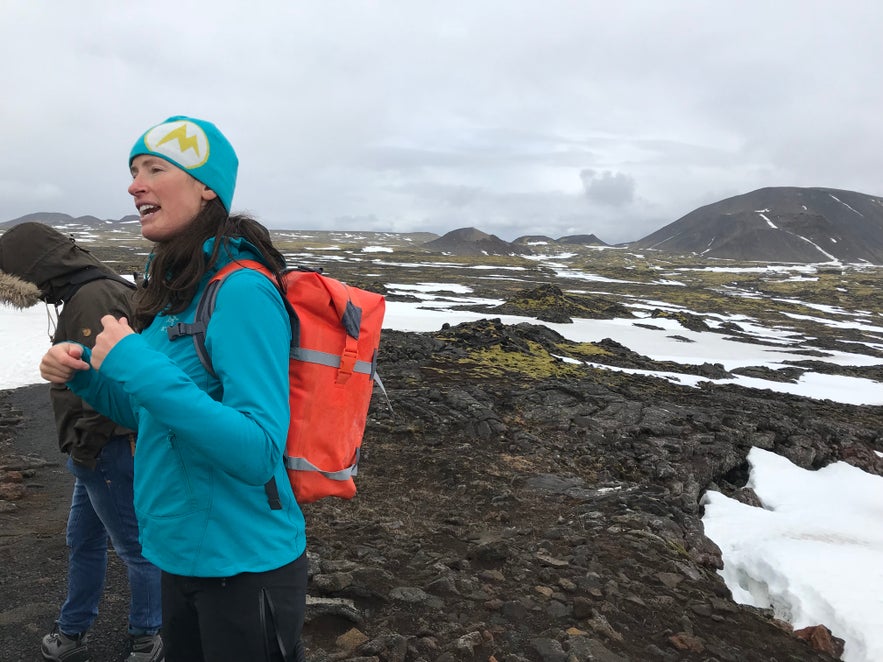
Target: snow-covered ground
x=814, y=553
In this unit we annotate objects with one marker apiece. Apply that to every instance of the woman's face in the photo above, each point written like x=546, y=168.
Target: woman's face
x=166, y=197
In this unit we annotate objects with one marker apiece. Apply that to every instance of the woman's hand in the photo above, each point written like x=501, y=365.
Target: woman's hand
x=60, y=363
x=114, y=331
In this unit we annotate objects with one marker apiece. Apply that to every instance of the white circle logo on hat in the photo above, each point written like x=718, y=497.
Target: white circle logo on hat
x=182, y=141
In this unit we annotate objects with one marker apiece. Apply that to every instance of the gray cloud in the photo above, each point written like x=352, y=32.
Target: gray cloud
x=615, y=189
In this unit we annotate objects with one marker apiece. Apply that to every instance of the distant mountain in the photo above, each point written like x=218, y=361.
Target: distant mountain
x=582, y=239
x=469, y=241
x=534, y=240
x=780, y=224
x=543, y=240
x=58, y=220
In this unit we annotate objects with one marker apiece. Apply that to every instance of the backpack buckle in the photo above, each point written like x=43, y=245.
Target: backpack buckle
x=180, y=329
x=347, y=365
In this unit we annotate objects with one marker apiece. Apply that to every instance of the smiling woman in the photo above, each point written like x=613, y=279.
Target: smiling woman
x=166, y=197
x=215, y=507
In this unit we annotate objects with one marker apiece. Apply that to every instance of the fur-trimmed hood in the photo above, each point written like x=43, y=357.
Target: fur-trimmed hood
x=17, y=292
x=38, y=263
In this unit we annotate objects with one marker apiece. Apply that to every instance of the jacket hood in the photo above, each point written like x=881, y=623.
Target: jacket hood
x=36, y=254
x=237, y=248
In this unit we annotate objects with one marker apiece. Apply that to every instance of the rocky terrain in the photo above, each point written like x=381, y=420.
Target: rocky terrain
x=509, y=508
x=515, y=506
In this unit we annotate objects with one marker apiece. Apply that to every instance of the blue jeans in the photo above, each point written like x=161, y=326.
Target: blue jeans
x=101, y=507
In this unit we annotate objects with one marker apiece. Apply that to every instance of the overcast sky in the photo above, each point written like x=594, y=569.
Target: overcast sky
x=517, y=117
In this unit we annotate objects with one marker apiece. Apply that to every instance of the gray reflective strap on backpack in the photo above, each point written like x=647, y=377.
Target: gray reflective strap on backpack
x=333, y=361
x=302, y=464
x=383, y=390
x=328, y=359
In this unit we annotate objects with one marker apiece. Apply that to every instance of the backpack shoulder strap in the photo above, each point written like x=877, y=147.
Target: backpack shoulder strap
x=204, y=309
x=206, y=306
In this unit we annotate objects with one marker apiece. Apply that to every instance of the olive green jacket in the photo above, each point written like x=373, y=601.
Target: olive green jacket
x=38, y=263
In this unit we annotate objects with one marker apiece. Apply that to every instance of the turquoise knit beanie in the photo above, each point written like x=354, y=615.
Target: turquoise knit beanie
x=198, y=148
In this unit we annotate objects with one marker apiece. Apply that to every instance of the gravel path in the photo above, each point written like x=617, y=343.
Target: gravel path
x=33, y=555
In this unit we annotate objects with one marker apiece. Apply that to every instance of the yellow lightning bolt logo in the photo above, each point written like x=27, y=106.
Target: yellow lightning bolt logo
x=185, y=142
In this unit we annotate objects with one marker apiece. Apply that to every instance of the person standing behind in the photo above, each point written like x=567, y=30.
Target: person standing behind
x=217, y=512
x=39, y=263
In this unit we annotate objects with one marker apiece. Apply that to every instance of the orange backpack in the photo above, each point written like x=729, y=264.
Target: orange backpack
x=335, y=335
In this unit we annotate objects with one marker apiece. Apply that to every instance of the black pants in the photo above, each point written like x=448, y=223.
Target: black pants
x=252, y=617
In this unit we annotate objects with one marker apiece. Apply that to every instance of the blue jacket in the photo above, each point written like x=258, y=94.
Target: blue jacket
x=207, y=445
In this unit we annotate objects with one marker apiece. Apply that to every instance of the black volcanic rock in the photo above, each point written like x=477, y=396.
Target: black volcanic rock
x=470, y=241
x=548, y=303
x=780, y=224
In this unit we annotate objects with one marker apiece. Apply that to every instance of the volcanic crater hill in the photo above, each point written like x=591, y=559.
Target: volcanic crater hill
x=779, y=224
x=582, y=239
x=576, y=239
x=533, y=240
x=471, y=241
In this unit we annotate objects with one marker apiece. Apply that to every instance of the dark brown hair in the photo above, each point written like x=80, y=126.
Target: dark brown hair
x=178, y=266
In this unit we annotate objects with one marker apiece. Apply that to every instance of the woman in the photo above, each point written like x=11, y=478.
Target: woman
x=209, y=446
